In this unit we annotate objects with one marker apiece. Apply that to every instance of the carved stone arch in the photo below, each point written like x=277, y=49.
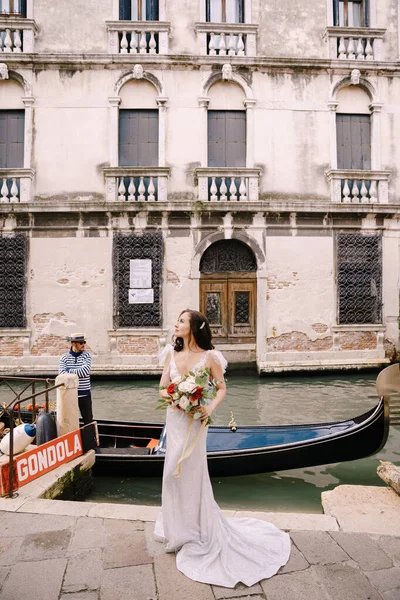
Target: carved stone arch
x=235, y=77
x=22, y=81
x=364, y=84
x=218, y=236
x=145, y=75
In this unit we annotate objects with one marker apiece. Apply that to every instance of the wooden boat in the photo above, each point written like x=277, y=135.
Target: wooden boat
x=139, y=448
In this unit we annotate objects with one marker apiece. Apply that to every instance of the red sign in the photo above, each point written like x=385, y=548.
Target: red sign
x=36, y=462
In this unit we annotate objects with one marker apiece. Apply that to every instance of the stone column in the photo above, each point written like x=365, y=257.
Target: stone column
x=249, y=104
x=67, y=403
x=203, y=144
x=375, y=108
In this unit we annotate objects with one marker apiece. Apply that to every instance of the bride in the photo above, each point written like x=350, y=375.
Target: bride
x=210, y=547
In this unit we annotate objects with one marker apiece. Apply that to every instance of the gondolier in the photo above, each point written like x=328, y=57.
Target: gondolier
x=79, y=362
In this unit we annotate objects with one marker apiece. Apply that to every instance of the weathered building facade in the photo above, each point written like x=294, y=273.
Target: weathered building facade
x=235, y=156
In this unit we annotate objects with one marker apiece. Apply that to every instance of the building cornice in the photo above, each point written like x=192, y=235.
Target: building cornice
x=126, y=61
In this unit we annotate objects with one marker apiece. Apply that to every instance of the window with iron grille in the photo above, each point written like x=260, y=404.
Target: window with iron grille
x=149, y=245
x=359, y=278
x=138, y=10
x=225, y=11
x=351, y=13
x=12, y=282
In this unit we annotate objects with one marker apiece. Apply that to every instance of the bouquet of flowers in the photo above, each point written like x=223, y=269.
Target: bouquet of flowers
x=189, y=392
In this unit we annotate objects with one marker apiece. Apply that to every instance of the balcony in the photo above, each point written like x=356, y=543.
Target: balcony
x=16, y=185
x=136, y=184
x=227, y=39
x=218, y=184
x=354, y=43
x=17, y=35
x=358, y=187
x=137, y=37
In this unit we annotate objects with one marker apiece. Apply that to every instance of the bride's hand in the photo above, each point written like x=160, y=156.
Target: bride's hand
x=206, y=412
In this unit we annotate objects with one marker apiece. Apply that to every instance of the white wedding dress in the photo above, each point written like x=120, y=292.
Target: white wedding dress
x=210, y=547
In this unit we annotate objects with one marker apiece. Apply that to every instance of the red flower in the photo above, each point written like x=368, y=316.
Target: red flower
x=171, y=388
x=197, y=394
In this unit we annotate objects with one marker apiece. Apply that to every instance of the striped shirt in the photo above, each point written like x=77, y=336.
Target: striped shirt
x=80, y=364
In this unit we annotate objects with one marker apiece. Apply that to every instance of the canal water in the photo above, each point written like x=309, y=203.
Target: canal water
x=269, y=400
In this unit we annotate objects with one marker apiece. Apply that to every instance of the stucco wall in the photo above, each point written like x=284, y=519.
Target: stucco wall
x=69, y=290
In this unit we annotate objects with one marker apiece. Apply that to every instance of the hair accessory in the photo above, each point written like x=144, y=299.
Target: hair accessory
x=202, y=325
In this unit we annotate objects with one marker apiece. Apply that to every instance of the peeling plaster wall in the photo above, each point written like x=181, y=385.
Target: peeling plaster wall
x=300, y=286
x=69, y=290
x=72, y=27
x=71, y=119
x=291, y=28
x=178, y=285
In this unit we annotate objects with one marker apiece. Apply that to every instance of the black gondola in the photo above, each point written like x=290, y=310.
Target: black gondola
x=139, y=448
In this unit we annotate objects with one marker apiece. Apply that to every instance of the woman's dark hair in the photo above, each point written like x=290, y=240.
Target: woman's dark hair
x=199, y=328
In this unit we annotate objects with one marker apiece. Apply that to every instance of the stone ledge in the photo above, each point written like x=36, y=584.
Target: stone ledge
x=364, y=509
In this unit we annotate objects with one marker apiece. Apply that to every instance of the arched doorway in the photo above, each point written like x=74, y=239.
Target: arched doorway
x=228, y=291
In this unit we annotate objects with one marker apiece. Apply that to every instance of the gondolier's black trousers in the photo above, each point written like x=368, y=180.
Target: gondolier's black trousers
x=85, y=406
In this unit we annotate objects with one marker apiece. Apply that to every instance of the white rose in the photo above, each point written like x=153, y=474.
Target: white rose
x=187, y=387
x=184, y=402
x=176, y=379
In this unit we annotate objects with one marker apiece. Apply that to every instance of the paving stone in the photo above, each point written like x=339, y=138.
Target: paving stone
x=364, y=550
x=393, y=595
x=120, y=526
x=9, y=548
x=153, y=548
x=4, y=571
x=89, y=533
x=301, y=585
x=84, y=571
x=318, y=547
x=342, y=582
x=390, y=545
x=15, y=524
x=239, y=591
x=296, y=562
x=126, y=550
x=34, y=581
x=40, y=546
x=42, y=523
x=386, y=580
x=129, y=583
x=87, y=595
x=172, y=584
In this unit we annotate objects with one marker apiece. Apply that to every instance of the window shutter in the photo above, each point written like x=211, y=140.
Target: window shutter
x=353, y=134
x=138, y=138
x=152, y=10
x=336, y=12
x=226, y=138
x=125, y=10
x=241, y=11
x=12, y=138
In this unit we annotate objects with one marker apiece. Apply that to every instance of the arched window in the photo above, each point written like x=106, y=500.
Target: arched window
x=353, y=129
x=351, y=13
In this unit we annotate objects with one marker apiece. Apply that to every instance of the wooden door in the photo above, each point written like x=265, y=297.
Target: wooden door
x=242, y=309
x=229, y=302
x=213, y=303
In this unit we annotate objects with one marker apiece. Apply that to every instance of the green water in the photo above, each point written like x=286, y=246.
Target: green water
x=269, y=400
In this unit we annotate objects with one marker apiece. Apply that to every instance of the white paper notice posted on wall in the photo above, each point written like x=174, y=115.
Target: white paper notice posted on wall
x=140, y=273
x=139, y=296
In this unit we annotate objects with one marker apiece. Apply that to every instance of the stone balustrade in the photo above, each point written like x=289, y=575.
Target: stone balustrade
x=358, y=187
x=16, y=185
x=136, y=184
x=17, y=35
x=227, y=39
x=228, y=185
x=354, y=43
x=137, y=37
